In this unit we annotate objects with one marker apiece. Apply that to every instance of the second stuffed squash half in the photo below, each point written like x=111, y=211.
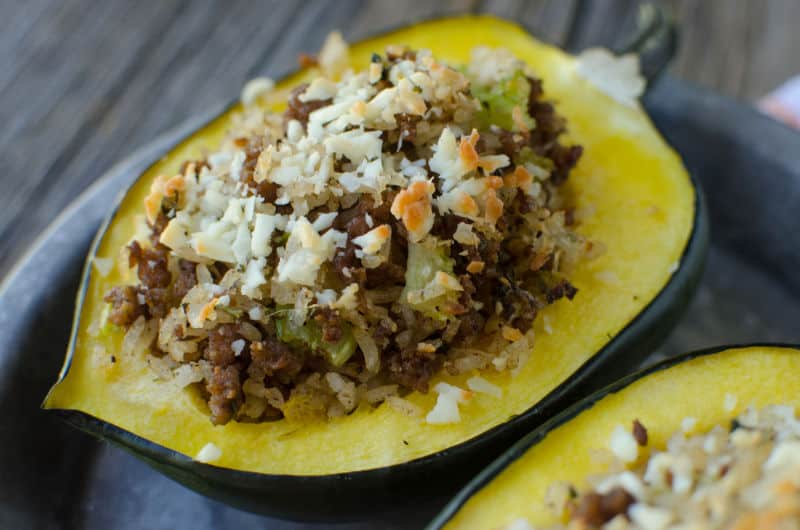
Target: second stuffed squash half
x=664, y=442
x=633, y=198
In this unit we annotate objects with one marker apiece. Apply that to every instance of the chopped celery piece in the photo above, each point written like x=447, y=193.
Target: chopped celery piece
x=107, y=327
x=527, y=156
x=339, y=352
x=425, y=259
x=235, y=312
x=500, y=99
x=310, y=334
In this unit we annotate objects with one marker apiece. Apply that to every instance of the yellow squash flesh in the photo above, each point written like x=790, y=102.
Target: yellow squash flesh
x=697, y=388
x=641, y=206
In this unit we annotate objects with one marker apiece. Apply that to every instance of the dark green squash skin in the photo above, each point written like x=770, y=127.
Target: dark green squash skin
x=430, y=480
x=538, y=434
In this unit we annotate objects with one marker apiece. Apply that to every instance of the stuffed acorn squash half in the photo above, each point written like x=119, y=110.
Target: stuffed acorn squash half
x=367, y=279
x=706, y=440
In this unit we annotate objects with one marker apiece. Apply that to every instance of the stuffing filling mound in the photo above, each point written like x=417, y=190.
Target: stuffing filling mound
x=390, y=224
x=746, y=477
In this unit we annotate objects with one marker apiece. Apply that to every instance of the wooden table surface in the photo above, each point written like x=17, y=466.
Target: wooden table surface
x=84, y=83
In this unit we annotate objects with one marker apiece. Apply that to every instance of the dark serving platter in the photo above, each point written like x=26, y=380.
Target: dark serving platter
x=53, y=477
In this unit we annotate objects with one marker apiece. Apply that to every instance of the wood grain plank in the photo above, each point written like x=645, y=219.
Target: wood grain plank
x=308, y=31
x=16, y=32
x=601, y=23
x=713, y=49
x=377, y=16
x=775, y=52
x=117, y=110
x=743, y=47
x=46, y=109
x=549, y=20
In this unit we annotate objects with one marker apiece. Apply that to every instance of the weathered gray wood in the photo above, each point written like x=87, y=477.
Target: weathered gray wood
x=549, y=20
x=601, y=22
x=84, y=83
x=52, y=106
x=114, y=80
x=373, y=17
x=775, y=53
x=743, y=47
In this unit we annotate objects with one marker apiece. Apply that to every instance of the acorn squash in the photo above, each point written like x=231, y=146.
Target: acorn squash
x=646, y=210
x=692, y=385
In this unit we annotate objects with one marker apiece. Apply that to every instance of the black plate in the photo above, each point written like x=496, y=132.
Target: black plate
x=55, y=477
